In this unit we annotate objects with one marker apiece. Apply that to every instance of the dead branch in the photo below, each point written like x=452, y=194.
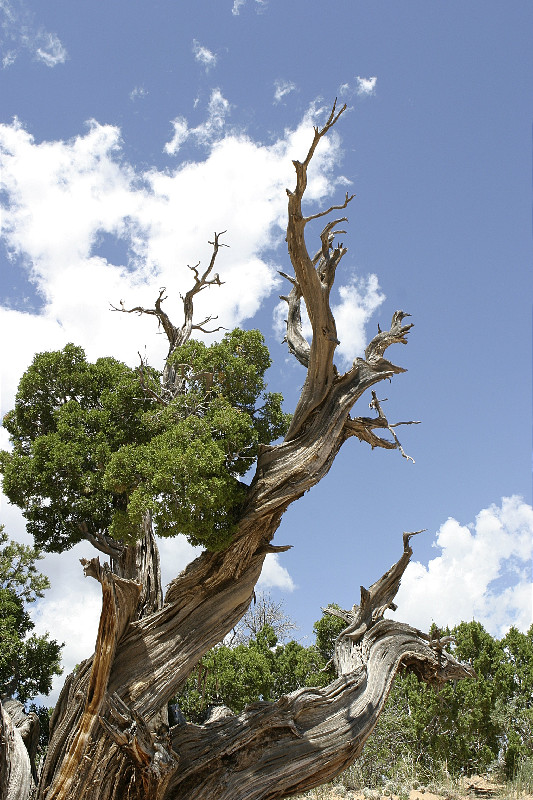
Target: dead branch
x=178, y=336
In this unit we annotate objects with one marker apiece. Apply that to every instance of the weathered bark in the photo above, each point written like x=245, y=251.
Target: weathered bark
x=140, y=562
x=110, y=734
x=274, y=750
x=19, y=737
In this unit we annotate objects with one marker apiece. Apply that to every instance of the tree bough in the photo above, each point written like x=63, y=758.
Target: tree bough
x=111, y=737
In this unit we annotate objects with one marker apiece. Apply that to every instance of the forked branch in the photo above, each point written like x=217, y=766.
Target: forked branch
x=363, y=428
x=178, y=336
x=313, y=280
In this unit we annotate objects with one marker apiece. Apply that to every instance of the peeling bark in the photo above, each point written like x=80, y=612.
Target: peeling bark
x=110, y=733
x=15, y=764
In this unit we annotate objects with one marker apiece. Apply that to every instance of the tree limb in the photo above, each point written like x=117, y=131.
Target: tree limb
x=178, y=336
x=274, y=750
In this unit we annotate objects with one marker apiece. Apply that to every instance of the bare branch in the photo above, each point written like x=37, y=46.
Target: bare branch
x=315, y=279
x=296, y=341
x=396, y=335
x=375, y=404
x=362, y=427
x=107, y=545
x=347, y=200
x=178, y=336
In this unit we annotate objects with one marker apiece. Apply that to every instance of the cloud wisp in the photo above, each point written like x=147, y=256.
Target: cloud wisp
x=207, y=132
x=260, y=6
x=364, y=87
x=203, y=55
x=138, y=93
x=282, y=89
x=483, y=572
x=20, y=33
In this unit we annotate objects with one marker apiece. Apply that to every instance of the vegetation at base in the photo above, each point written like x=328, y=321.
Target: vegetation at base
x=96, y=446
x=470, y=726
x=423, y=733
x=263, y=668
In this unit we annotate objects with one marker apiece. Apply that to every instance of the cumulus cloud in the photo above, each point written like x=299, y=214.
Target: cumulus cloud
x=358, y=301
x=274, y=575
x=283, y=88
x=19, y=32
x=483, y=572
x=60, y=197
x=203, y=55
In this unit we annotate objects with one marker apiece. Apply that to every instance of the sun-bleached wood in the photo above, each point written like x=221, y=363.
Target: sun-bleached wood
x=110, y=734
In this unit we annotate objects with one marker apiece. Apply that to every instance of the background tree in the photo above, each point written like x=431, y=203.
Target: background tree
x=263, y=611
x=27, y=662
x=262, y=668
x=461, y=728
x=102, y=451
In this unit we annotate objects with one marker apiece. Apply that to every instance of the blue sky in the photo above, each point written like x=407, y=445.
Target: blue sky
x=131, y=131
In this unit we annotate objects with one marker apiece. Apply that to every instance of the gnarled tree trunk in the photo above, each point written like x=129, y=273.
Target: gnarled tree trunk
x=110, y=734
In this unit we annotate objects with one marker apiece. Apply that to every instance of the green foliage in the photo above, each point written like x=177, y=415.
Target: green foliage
x=18, y=573
x=423, y=733
x=93, y=449
x=259, y=670
x=27, y=662
x=326, y=630
x=466, y=726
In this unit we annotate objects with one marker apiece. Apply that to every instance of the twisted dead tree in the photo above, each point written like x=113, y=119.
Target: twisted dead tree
x=110, y=736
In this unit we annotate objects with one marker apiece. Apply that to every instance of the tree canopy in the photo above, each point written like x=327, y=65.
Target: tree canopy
x=96, y=446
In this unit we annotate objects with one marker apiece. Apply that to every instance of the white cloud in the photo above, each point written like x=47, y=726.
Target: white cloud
x=483, y=572
x=274, y=575
x=203, y=55
x=207, y=132
x=50, y=51
x=175, y=554
x=366, y=86
x=20, y=32
x=60, y=197
x=358, y=301
x=69, y=611
x=260, y=6
x=283, y=88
